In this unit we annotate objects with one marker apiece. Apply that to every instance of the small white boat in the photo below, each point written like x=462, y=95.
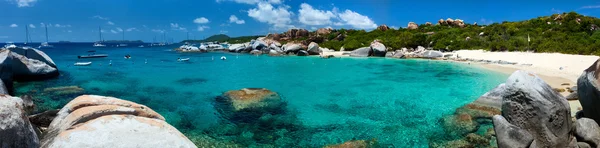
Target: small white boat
x=141, y=46
x=186, y=59
x=83, y=63
x=99, y=45
x=223, y=58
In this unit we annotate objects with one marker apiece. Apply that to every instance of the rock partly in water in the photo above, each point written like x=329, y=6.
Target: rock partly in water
x=32, y=53
x=15, y=129
x=302, y=53
x=24, y=69
x=361, y=52
x=259, y=45
x=93, y=121
x=64, y=90
x=531, y=106
x=355, y=144
x=256, y=52
x=493, y=98
x=588, y=89
x=250, y=100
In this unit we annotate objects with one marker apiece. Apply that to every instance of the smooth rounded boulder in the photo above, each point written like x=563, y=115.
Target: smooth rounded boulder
x=32, y=53
x=291, y=47
x=302, y=53
x=25, y=69
x=378, y=49
x=432, y=54
x=98, y=121
x=588, y=131
x=589, y=91
x=313, y=49
x=361, y=52
x=249, y=104
x=259, y=45
x=15, y=128
x=530, y=105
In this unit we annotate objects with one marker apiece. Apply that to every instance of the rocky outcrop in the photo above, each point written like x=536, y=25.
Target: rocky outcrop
x=237, y=47
x=259, y=45
x=302, y=53
x=97, y=121
x=25, y=69
x=249, y=104
x=32, y=53
x=256, y=52
x=378, y=49
x=361, y=52
x=412, y=26
x=291, y=47
x=383, y=27
x=493, y=98
x=324, y=31
x=432, y=54
x=442, y=22
x=313, y=49
x=295, y=33
x=15, y=129
x=530, y=108
x=589, y=92
x=428, y=24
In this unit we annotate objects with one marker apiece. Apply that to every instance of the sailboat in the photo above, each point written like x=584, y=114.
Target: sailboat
x=123, y=44
x=99, y=43
x=27, y=37
x=45, y=45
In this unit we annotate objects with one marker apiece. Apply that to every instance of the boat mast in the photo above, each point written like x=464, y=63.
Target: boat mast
x=100, y=33
x=46, y=26
x=26, y=34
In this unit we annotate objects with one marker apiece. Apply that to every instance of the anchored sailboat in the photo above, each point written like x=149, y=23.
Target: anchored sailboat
x=45, y=45
x=99, y=43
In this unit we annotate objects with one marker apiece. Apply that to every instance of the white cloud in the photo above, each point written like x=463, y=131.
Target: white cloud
x=175, y=26
x=131, y=29
x=119, y=29
x=279, y=17
x=356, y=20
x=158, y=30
x=23, y=3
x=234, y=19
x=591, y=7
x=113, y=31
x=310, y=16
x=252, y=1
x=201, y=20
x=223, y=31
x=202, y=28
x=14, y=25
x=100, y=17
x=31, y=26
x=61, y=26
x=110, y=23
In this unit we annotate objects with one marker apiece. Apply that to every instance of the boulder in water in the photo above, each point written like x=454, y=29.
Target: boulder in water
x=15, y=129
x=90, y=120
x=361, y=52
x=531, y=106
x=292, y=47
x=256, y=52
x=249, y=104
x=25, y=69
x=378, y=49
x=259, y=45
x=302, y=53
x=32, y=53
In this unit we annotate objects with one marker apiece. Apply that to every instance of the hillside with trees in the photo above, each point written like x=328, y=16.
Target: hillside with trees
x=225, y=38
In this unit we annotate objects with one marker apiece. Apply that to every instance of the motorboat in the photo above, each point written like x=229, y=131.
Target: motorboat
x=184, y=59
x=141, y=46
x=92, y=56
x=97, y=44
x=83, y=63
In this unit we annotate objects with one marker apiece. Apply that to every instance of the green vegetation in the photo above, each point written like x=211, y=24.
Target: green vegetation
x=572, y=33
x=225, y=38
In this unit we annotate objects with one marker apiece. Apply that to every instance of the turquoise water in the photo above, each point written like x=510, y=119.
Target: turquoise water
x=398, y=102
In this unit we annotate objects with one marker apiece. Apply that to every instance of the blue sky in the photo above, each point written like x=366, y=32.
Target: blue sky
x=78, y=20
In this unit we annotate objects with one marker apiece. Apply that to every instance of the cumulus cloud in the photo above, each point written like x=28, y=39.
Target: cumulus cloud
x=202, y=28
x=31, y=26
x=113, y=31
x=23, y=3
x=110, y=23
x=131, y=29
x=14, y=25
x=158, y=30
x=175, y=26
x=279, y=17
x=310, y=16
x=119, y=29
x=234, y=19
x=61, y=26
x=201, y=20
x=356, y=20
x=252, y=1
x=100, y=17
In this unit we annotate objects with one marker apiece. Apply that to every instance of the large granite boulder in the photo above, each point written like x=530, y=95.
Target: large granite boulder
x=493, y=98
x=324, y=31
x=25, y=69
x=256, y=52
x=292, y=47
x=98, y=121
x=432, y=54
x=249, y=104
x=588, y=131
x=588, y=89
x=302, y=53
x=509, y=135
x=32, y=53
x=259, y=45
x=15, y=129
x=6, y=71
x=383, y=27
x=3, y=89
x=412, y=26
x=313, y=49
x=378, y=49
x=361, y=52
x=531, y=106
x=237, y=47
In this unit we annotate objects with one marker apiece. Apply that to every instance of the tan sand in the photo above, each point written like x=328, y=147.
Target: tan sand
x=336, y=53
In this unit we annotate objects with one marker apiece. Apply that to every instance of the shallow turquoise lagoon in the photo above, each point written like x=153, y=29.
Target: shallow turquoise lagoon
x=397, y=102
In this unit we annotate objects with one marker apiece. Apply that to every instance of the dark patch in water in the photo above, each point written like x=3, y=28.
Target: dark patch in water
x=191, y=81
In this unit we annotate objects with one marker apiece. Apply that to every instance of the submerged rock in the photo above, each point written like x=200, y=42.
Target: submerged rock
x=588, y=89
x=64, y=90
x=15, y=129
x=249, y=104
x=355, y=144
x=43, y=119
x=99, y=121
x=530, y=106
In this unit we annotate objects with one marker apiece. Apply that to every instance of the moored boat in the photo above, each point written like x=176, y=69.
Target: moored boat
x=83, y=63
x=92, y=56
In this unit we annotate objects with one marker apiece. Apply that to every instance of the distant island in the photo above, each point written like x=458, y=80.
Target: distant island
x=123, y=41
x=570, y=33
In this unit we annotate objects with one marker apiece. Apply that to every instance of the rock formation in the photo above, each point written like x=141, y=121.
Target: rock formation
x=248, y=104
x=29, y=65
x=313, y=49
x=383, y=27
x=324, y=31
x=97, y=121
x=361, y=52
x=378, y=49
x=412, y=26
x=15, y=129
x=589, y=92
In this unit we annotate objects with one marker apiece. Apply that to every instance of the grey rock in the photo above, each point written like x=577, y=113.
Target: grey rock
x=432, y=54
x=32, y=53
x=398, y=54
x=583, y=145
x=313, y=49
x=30, y=69
x=292, y=48
x=259, y=45
x=28, y=105
x=256, y=52
x=509, y=135
x=587, y=130
x=389, y=54
x=532, y=105
x=572, y=96
x=3, y=89
x=378, y=49
x=361, y=52
x=493, y=98
x=43, y=119
x=302, y=53
x=588, y=91
x=6, y=72
x=15, y=129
